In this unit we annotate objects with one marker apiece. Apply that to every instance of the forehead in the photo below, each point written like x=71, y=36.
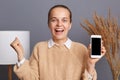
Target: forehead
x=59, y=11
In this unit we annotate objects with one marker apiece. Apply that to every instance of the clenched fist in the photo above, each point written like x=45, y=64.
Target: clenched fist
x=16, y=45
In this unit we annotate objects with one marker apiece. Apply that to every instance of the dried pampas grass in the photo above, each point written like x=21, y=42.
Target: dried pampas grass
x=110, y=31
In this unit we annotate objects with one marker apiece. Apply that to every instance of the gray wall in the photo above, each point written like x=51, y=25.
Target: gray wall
x=32, y=15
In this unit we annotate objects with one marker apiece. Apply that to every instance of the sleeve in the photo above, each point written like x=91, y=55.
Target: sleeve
x=29, y=69
x=85, y=74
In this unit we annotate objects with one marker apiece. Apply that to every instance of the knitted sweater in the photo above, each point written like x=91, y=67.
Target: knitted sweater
x=55, y=63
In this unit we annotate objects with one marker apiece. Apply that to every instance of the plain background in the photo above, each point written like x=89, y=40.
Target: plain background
x=31, y=15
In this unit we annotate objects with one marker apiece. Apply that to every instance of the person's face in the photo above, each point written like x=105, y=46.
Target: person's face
x=59, y=23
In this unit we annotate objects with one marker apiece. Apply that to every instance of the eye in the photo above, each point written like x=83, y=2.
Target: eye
x=53, y=20
x=65, y=20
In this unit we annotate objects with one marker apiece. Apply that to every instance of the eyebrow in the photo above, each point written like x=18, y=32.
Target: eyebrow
x=62, y=18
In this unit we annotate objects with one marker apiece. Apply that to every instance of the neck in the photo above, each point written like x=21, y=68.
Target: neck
x=60, y=41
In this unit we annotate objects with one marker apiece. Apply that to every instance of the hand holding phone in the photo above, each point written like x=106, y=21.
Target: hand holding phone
x=95, y=46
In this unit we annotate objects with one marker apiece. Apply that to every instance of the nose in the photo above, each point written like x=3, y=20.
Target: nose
x=59, y=23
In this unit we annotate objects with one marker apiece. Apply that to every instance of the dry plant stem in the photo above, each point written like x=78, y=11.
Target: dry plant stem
x=110, y=31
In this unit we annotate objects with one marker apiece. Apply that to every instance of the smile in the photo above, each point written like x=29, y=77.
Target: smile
x=59, y=30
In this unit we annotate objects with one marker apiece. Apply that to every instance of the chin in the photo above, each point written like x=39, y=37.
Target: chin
x=60, y=38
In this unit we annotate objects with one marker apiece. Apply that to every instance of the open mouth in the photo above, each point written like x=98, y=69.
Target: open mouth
x=59, y=30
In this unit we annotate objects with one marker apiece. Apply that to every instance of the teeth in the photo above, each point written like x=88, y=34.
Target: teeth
x=59, y=30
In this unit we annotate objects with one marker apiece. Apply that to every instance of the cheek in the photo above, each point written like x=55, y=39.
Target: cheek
x=68, y=27
x=51, y=28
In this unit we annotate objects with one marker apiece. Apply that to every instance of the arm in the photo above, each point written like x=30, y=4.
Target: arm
x=88, y=71
x=92, y=61
x=29, y=69
x=89, y=68
x=87, y=76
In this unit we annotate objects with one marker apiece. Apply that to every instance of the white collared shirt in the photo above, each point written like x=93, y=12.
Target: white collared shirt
x=67, y=43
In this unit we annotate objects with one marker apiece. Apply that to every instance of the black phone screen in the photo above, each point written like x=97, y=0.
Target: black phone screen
x=96, y=46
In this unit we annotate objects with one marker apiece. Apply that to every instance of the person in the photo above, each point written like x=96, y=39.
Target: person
x=59, y=58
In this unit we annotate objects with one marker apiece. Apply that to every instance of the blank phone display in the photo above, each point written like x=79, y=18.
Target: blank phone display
x=96, y=46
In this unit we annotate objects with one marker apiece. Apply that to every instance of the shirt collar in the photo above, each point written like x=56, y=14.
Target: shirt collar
x=67, y=43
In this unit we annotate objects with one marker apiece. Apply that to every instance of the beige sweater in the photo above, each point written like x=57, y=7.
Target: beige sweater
x=55, y=63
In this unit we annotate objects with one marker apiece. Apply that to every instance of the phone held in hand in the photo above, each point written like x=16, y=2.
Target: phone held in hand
x=95, y=41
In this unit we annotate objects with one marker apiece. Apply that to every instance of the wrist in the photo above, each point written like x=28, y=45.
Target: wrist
x=91, y=68
x=20, y=58
x=19, y=63
x=91, y=71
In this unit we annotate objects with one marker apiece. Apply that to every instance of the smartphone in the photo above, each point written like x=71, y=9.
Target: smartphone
x=95, y=46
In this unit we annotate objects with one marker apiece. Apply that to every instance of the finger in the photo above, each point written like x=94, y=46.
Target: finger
x=101, y=43
x=15, y=44
x=89, y=47
x=103, y=51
